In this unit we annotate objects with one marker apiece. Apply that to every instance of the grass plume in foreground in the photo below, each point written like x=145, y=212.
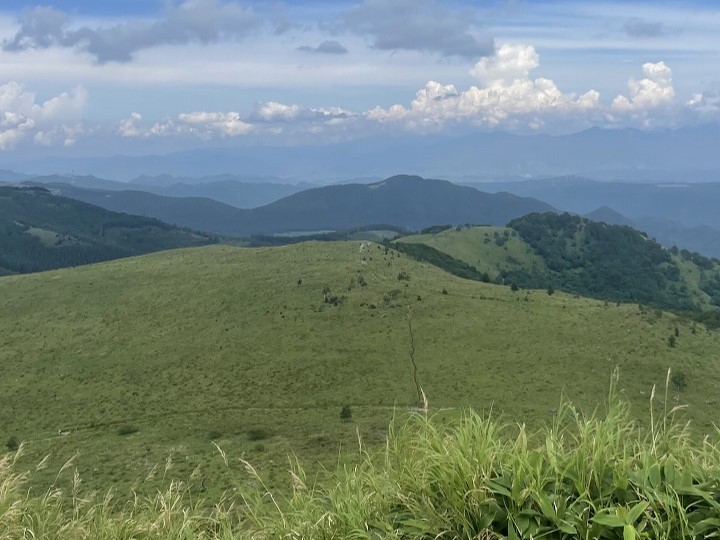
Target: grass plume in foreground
x=583, y=476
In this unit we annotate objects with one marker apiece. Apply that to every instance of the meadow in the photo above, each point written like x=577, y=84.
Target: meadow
x=178, y=355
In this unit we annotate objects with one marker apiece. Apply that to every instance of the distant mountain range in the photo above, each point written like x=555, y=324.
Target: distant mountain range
x=234, y=191
x=685, y=154
x=684, y=214
x=405, y=201
x=42, y=231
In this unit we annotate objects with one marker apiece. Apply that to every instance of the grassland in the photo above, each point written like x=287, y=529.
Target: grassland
x=489, y=249
x=132, y=361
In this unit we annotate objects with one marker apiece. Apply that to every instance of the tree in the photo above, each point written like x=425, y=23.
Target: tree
x=12, y=443
x=346, y=413
x=550, y=290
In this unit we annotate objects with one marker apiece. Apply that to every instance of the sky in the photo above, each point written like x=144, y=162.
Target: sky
x=138, y=76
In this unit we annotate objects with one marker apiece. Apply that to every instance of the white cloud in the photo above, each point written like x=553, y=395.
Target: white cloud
x=510, y=62
x=55, y=120
x=509, y=98
x=130, y=127
x=653, y=91
x=706, y=105
x=200, y=124
x=273, y=111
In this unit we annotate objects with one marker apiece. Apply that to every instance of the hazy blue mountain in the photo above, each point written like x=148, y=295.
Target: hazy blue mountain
x=702, y=239
x=11, y=176
x=232, y=192
x=689, y=204
x=406, y=201
x=226, y=190
x=685, y=154
x=607, y=215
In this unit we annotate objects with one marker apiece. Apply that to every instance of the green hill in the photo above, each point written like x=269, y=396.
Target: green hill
x=610, y=262
x=259, y=350
x=41, y=231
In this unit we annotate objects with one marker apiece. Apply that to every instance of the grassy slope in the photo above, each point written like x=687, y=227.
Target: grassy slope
x=477, y=247
x=179, y=344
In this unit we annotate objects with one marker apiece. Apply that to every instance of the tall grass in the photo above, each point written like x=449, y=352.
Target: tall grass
x=584, y=476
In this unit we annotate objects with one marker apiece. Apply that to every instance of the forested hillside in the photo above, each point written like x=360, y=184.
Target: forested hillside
x=41, y=231
x=562, y=251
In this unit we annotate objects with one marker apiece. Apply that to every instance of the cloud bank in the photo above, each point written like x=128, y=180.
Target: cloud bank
x=418, y=25
x=56, y=120
x=507, y=96
x=192, y=21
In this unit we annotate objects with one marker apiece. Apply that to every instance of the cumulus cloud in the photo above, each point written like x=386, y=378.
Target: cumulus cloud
x=326, y=47
x=653, y=91
x=54, y=120
x=705, y=104
x=202, y=124
x=418, y=25
x=272, y=111
x=192, y=21
x=509, y=97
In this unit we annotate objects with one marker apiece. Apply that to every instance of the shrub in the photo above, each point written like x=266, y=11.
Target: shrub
x=258, y=434
x=514, y=287
x=127, y=429
x=678, y=380
x=12, y=443
x=672, y=341
x=403, y=276
x=444, y=291
x=345, y=413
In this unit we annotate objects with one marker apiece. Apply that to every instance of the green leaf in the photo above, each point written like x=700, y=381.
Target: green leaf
x=629, y=532
x=495, y=487
x=609, y=520
x=705, y=526
x=670, y=471
x=567, y=528
x=635, y=512
x=654, y=475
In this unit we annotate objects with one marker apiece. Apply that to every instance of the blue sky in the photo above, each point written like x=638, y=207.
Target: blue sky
x=135, y=76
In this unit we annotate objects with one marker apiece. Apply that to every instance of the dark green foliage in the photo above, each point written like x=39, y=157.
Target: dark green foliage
x=550, y=290
x=612, y=262
x=40, y=231
x=345, y=413
x=214, y=434
x=445, y=291
x=514, y=287
x=258, y=434
x=12, y=443
x=127, y=429
x=434, y=229
x=679, y=381
x=403, y=276
x=424, y=253
x=672, y=341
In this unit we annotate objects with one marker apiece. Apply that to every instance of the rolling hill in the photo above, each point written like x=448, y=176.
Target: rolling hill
x=268, y=345
x=684, y=214
x=610, y=262
x=41, y=231
x=405, y=201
